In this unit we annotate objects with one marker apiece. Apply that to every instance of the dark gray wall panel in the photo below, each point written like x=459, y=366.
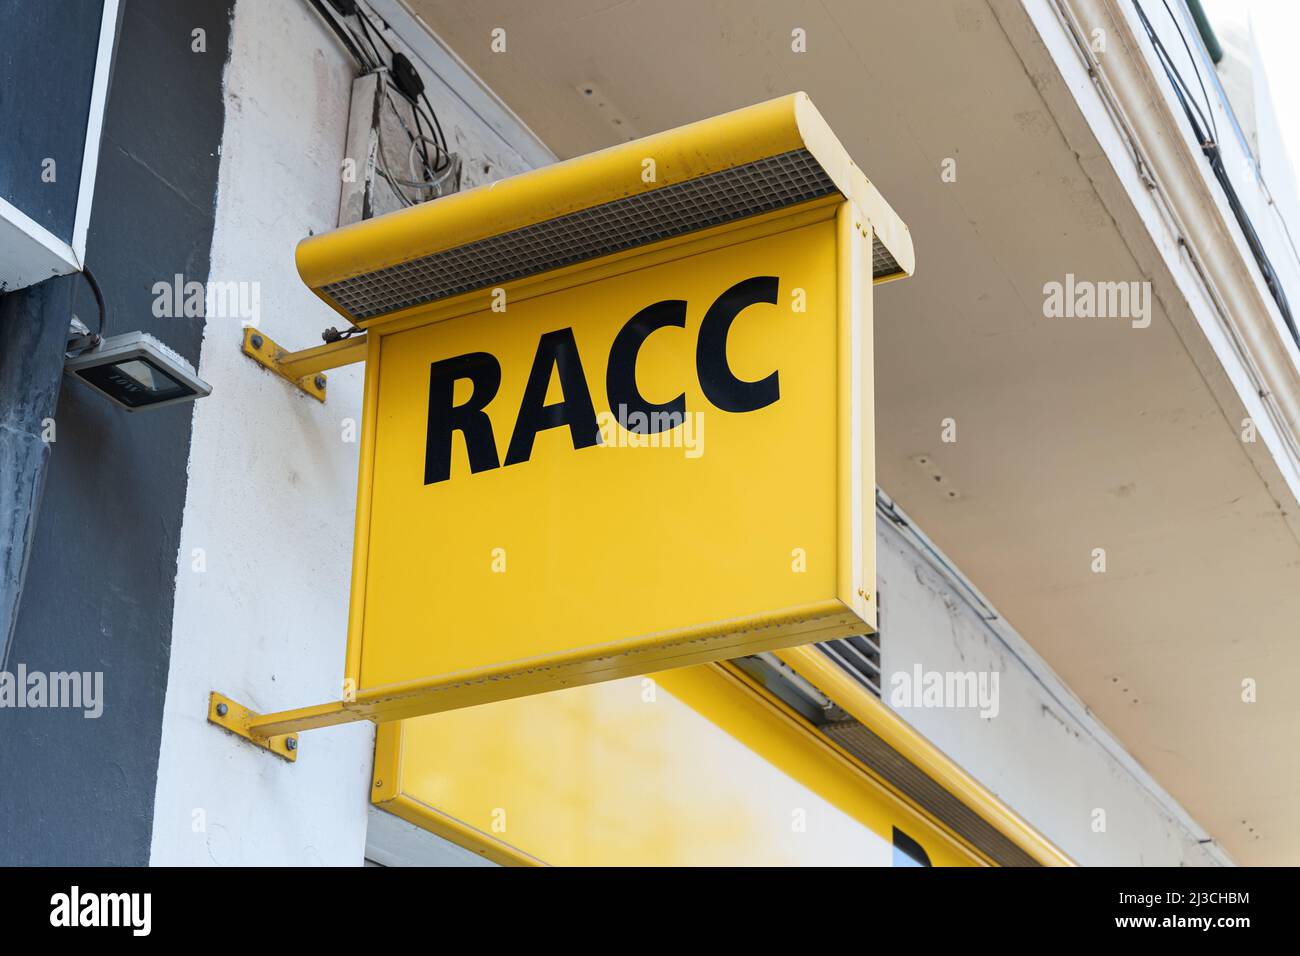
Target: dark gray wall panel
x=47, y=66
x=32, y=337
x=100, y=584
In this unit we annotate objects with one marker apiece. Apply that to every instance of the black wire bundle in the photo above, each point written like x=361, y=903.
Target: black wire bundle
x=1207, y=134
x=366, y=52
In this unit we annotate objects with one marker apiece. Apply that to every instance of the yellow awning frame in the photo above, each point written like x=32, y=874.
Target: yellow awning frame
x=704, y=683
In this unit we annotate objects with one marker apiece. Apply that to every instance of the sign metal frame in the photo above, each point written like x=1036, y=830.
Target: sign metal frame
x=851, y=610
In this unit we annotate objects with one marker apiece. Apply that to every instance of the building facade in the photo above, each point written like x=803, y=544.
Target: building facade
x=1086, y=402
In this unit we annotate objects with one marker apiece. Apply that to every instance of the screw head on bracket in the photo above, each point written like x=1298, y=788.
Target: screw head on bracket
x=222, y=710
x=255, y=341
x=291, y=743
x=320, y=381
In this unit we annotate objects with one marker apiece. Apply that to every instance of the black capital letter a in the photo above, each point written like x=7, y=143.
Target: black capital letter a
x=556, y=350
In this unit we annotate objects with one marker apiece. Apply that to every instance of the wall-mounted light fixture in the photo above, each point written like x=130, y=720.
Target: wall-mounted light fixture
x=137, y=371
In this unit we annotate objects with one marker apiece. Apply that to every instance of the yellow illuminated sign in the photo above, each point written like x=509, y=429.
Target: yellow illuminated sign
x=618, y=417
x=657, y=465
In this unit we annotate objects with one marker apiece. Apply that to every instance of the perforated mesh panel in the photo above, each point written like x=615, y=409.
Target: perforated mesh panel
x=721, y=197
x=883, y=262
x=868, y=747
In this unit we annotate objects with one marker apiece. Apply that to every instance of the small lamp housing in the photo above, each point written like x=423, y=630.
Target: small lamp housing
x=136, y=371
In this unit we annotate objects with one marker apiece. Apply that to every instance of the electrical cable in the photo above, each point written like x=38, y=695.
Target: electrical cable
x=341, y=34
x=433, y=118
x=371, y=32
x=441, y=153
x=381, y=166
x=423, y=140
x=1206, y=134
x=410, y=158
x=365, y=29
x=364, y=15
x=99, y=301
x=379, y=57
x=1214, y=126
x=442, y=157
x=422, y=111
x=438, y=180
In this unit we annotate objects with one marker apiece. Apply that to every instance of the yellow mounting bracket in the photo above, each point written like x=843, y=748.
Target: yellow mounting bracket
x=304, y=368
x=235, y=717
x=278, y=732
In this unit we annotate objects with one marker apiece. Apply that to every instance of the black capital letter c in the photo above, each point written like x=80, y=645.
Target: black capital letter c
x=719, y=383
x=620, y=376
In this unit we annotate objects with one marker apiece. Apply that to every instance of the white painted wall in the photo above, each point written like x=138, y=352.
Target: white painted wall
x=272, y=482
x=1043, y=753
